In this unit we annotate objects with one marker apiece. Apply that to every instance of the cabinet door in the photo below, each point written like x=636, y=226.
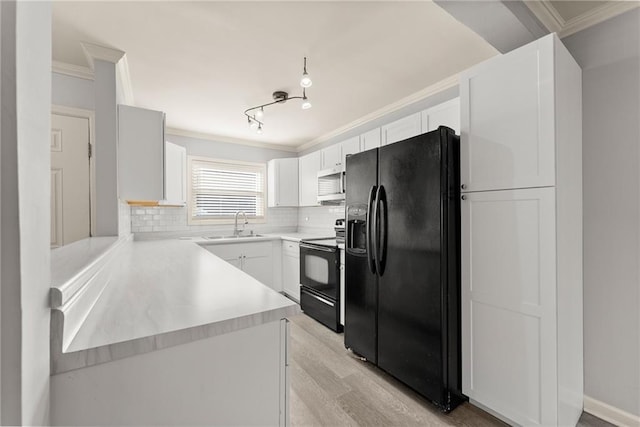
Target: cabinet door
x=309, y=166
x=140, y=154
x=261, y=269
x=291, y=275
x=175, y=173
x=370, y=139
x=282, y=179
x=401, y=129
x=445, y=114
x=331, y=156
x=349, y=146
x=509, y=303
x=507, y=120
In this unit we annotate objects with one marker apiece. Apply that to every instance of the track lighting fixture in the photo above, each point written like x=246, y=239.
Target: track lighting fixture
x=256, y=114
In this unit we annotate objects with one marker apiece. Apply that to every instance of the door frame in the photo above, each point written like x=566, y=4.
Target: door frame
x=90, y=115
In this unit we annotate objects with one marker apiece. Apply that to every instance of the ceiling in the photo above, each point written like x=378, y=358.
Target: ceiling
x=570, y=9
x=204, y=63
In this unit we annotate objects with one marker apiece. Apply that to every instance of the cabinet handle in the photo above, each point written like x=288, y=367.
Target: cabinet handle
x=463, y=186
x=463, y=197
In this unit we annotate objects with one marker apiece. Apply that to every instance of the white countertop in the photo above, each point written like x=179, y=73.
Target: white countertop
x=159, y=294
x=164, y=286
x=70, y=260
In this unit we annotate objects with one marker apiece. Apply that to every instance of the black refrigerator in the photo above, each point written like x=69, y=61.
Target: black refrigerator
x=402, y=304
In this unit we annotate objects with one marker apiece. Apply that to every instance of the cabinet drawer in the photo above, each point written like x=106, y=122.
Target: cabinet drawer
x=291, y=248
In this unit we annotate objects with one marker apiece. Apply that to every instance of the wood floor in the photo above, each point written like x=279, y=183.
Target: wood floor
x=331, y=386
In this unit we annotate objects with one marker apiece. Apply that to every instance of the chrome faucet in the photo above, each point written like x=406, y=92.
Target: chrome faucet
x=236, y=231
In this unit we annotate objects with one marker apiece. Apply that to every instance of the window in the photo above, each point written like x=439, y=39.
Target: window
x=220, y=188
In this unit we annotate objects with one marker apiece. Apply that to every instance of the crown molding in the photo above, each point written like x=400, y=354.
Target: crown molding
x=447, y=83
x=553, y=21
x=72, y=70
x=103, y=53
x=227, y=139
x=117, y=57
x=596, y=15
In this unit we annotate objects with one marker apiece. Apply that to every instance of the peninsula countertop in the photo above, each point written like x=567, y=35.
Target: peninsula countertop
x=164, y=293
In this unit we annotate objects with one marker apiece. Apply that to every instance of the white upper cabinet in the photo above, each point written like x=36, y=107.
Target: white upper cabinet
x=175, y=174
x=349, y=146
x=308, y=167
x=141, y=148
x=445, y=114
x=404, y=128
x=371, y=139
x=334, y=156
x=282, y=178
x=331, y=156
x=507, y=120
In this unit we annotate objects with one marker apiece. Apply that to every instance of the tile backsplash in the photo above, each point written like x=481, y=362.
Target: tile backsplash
x=173, y=220
x=319, y=219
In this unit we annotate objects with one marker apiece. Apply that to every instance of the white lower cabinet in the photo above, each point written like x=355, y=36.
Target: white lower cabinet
x=254, y=258
x=515, y=362
x=291, y=269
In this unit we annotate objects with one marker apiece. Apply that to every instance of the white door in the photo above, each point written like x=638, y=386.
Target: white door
x=175, y=173
x=260, y=268
x=70, y=182
x=309, y=166
x=370, y=139
x=507, y=120
x=349, y=146
x=445, y=114
x=509, y=303
x=291, y=275
x=331, y=156
x=404, y=128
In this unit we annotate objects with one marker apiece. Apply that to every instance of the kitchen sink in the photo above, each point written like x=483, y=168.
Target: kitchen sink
x=242, y=236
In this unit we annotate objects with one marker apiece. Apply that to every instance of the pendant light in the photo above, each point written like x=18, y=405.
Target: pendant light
x=256, y=114
x=305, y=81
x=306, y=104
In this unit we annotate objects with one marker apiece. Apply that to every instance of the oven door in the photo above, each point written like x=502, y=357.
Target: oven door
x=320, y=269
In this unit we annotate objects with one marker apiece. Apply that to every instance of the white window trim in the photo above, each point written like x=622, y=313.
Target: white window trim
x=192, y=221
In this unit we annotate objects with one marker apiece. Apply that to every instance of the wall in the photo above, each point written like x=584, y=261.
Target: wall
x=609, y=54
x=72, y=91
x=25, y=223
x=225, y=150
x=106, y=149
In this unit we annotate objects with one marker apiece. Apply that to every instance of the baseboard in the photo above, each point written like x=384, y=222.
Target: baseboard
x=610, y=413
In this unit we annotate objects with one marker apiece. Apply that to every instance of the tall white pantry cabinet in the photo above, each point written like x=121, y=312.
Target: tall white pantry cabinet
x=521, y=179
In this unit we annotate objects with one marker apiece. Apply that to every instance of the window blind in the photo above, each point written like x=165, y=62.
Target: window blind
x=220, y=189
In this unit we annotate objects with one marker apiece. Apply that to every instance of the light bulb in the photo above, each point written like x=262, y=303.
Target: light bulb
x=253, y=124
x=306, y=104
x=259, y=131
x=305, y=81
x=260, y=113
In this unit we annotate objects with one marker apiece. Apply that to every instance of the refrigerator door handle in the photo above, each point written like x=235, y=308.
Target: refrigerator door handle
x=369, y=247
x=382, y=225
x=376, y=231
